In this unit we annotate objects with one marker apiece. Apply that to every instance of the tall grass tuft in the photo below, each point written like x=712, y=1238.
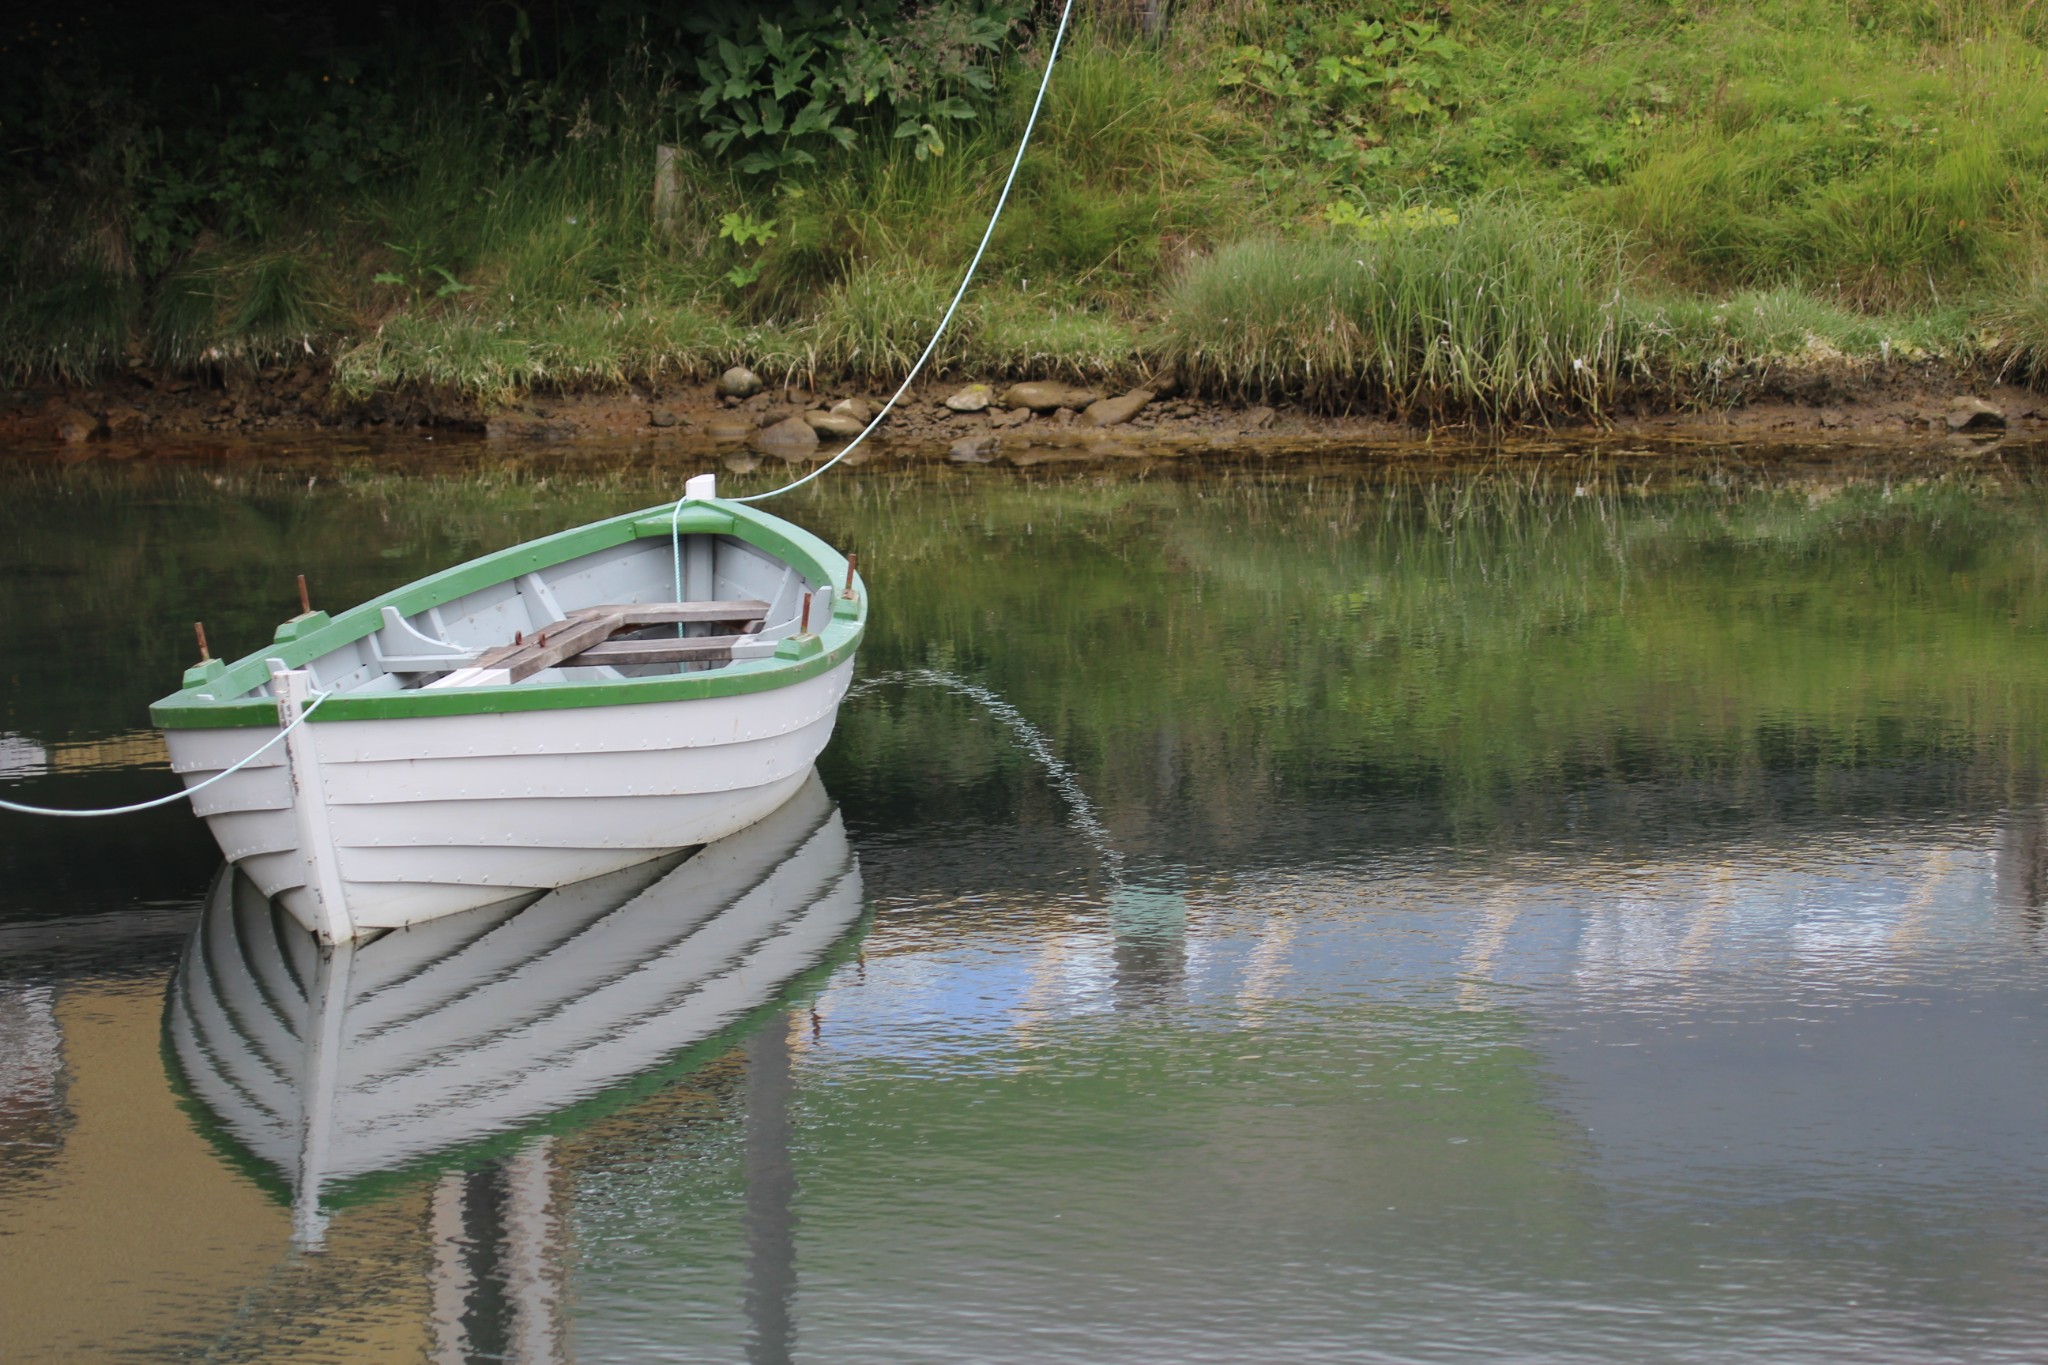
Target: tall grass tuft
x=876, y=322
x=2016, y=327
x=253, y=306
x=1501, y=314
x=70, y=326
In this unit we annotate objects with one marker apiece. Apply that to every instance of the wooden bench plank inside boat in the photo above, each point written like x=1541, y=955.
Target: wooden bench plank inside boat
x=570, y=641
x=681, y=613
x=694, y=649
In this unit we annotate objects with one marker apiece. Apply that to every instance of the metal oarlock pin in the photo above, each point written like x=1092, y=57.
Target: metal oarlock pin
x=804, y=628
x=851, y=560
x=305, y=599
x=199, y=629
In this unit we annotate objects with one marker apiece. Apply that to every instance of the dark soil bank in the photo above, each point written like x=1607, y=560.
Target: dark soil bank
x=974, y=421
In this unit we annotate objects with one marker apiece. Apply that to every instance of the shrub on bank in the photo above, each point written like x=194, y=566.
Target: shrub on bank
x=1497, y=312
x=2016, y=327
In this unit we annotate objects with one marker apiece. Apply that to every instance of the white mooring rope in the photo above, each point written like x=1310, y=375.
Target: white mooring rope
x=267, y=746
x=945, y=321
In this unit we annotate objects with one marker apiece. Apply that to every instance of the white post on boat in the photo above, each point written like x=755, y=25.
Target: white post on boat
x=329, y=1009
x=294, y=689
x=699, y=552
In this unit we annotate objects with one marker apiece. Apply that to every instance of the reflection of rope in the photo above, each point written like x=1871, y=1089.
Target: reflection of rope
x=1033, y=741
x=196, y=787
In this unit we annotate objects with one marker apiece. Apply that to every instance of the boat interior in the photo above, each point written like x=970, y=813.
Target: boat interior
x=614, y=613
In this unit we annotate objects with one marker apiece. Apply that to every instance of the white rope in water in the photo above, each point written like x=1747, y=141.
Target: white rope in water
x=1032, y=740
x=1003, y=199
x=190, y=791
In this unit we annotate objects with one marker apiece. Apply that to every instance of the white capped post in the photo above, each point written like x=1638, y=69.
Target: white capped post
x=309, y=806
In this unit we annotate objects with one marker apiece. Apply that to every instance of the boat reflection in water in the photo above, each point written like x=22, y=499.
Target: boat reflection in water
x=328, y=1066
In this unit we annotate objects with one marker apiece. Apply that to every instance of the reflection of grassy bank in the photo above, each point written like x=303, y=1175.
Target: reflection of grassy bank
x=1699, y=196
x=1475, y=635
x=1479, y=645
x=1486, y=644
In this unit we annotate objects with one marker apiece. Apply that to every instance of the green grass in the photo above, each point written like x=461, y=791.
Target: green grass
x=70, y=325
x=2017, y=322
x=1653, y=199
x=1502, y=314
x=248, y=306
x=1817, y=168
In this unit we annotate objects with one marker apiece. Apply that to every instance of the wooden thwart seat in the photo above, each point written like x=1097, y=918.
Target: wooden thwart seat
x=699, y=649
x=583, y=638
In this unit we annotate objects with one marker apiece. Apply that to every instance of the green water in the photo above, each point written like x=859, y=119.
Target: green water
x=1572, y=903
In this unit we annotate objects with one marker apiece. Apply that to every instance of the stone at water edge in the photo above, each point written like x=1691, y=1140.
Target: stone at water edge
x=660, y=417
x=728, y=428
x=973, y=450
x=790, y=434
x=1258, y=419
x=529, y=426
x=126, y=421
x=74, y=426
x=1974, y=414
x=1014, y=417
x=859, y=409
x=1109, y=412
x=973, y=398
x=835, y=424
x=1047, y=395
x=739, y=382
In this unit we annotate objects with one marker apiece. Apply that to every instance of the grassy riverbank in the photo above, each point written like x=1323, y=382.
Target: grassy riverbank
x=1490, y=208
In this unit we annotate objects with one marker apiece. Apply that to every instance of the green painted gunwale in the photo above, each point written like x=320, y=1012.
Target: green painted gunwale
x=819, y=563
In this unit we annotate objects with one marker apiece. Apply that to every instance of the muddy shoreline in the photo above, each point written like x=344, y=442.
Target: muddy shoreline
x=1901, y=403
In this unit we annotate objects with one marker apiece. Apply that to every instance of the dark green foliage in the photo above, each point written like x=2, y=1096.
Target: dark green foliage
x=465, y=194
x=777, y=90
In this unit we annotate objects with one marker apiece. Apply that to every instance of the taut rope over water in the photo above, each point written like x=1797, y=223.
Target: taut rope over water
x=945, y=321
x=675, y=535
x=196, y=787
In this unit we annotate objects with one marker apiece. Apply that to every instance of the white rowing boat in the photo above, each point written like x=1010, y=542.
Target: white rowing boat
x=327, y=1066
x=535, y=717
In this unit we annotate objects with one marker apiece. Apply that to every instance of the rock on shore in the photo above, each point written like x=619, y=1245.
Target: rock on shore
x=1109, y=412
x=1048, y=396
x=739, y=382
x=789, y=436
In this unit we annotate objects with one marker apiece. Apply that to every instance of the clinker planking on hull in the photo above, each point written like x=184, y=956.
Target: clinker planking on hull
x=553, y=711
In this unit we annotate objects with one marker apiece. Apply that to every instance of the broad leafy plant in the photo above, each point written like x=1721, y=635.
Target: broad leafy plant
x=1340, y=94
x=779, y=93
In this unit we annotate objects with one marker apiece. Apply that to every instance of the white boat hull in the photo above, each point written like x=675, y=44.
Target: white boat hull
x=406, y=820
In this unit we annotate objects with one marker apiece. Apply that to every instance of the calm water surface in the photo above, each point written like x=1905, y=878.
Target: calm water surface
x=1569, y=905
